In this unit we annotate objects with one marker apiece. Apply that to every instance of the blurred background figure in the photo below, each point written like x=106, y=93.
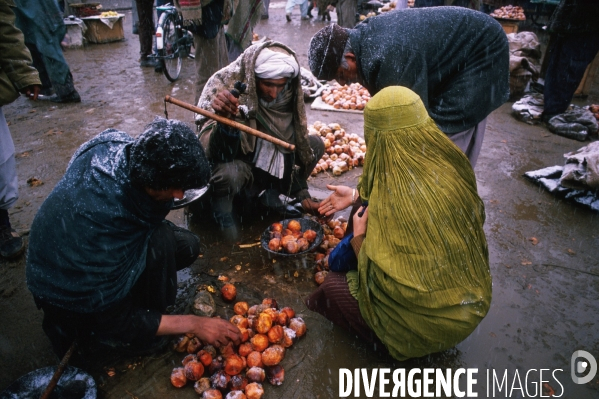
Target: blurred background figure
x=266, y=5
x=206, y=20
x=241, y=26
x=323, y=9
x=16, y=75
x=43, y=27
x=574, y=28
x=346, y=12
x=303, y=4
x=145, y=28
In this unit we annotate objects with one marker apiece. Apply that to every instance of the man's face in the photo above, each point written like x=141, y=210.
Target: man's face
x=165, y=195
x=269, y=89
x=348, y=75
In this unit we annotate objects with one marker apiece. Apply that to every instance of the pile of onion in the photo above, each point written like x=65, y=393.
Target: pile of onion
x=238, y=371
x=509, y=12
x=343, y=151
x=354, y=96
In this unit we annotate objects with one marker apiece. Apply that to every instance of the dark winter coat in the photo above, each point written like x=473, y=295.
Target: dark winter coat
x=88, y=241
x=455, y=59
x=575, y=16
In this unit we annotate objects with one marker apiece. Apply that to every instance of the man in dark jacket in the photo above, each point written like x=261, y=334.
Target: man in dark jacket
x=574, y=28
x=102, y=260
x=455, y=59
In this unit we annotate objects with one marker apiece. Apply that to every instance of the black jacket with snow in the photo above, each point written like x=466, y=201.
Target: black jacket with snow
x=455, y=59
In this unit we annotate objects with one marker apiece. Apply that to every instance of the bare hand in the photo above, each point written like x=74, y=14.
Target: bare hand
x=225, y=104
x=360, y=222
x=217, y=332
x=339, y=200
x=31, y=92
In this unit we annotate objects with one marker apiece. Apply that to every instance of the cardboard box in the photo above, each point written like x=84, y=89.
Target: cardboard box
x=509, y=26
x=98, y=32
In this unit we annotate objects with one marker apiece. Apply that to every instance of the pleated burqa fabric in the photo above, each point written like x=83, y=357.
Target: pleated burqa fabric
x=423, y=282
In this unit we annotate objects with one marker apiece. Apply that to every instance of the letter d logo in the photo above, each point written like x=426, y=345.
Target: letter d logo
x=578, y=366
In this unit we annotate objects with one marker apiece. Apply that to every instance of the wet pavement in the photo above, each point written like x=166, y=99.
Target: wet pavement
x=543, y=251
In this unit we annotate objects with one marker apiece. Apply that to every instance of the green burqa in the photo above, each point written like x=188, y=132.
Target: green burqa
x=423, y=281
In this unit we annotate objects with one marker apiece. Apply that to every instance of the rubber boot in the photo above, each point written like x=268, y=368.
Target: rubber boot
x=222, y=208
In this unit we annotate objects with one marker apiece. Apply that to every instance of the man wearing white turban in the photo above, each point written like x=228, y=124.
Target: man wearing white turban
x=241, y=163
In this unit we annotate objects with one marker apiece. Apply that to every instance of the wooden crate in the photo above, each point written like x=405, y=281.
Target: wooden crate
x=99, y=32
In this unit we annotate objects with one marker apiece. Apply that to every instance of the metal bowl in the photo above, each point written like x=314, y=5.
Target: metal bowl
x=307, y=224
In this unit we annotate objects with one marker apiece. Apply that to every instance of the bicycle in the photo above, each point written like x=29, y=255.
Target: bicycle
x=173, y=41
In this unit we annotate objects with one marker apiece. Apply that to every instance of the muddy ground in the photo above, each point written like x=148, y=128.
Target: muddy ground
x=544, y=251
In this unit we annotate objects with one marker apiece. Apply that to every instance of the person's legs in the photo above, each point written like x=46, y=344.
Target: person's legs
x=266, y=5
x=470, y=141
x=38, y=63
x=570, y=57
x=145, y=12
x=228, y=179
x=289, y=9
x=304, y=9
x=130, y=324
x=346, y=13
x=333, y=300
x=11, y=244
x=211, y=55
x=170, y=249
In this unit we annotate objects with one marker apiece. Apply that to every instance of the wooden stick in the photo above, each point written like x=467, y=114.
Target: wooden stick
x=229, y=122
x=58, y=372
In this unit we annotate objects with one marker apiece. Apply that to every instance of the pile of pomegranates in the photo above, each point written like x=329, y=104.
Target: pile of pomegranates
x=238, y=371
x=290, y=239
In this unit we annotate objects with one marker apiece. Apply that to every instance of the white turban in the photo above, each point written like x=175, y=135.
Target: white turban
x=274, y=65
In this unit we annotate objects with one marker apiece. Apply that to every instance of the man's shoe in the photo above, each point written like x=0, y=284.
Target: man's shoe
x=305, y=18
x=11, y=243
x=73, y=97
x=288, y=16
x=149, y=63
x=270, y=199
x=264, y=16
x=287, y=211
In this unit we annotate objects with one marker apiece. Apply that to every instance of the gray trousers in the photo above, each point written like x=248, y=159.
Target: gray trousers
x=211, y=55
x=470, y=141
x=8, y=168
x=346, y=13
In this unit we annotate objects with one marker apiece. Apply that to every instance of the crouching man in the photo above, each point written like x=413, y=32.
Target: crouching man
x=102, y=259
x=273, y=104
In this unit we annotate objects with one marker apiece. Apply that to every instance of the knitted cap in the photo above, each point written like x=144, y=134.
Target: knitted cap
x=326, y=50
x=168, y=155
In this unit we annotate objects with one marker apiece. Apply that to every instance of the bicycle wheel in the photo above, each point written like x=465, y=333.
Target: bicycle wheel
x=170, y=53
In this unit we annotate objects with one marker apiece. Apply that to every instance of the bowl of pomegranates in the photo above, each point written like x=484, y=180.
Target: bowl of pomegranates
x=291, y=237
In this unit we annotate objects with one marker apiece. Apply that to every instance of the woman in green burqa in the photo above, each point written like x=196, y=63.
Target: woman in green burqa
x=414, y=273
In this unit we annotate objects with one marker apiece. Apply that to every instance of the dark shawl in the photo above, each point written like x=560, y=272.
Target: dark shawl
x=88, y=241
x=455, y=59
